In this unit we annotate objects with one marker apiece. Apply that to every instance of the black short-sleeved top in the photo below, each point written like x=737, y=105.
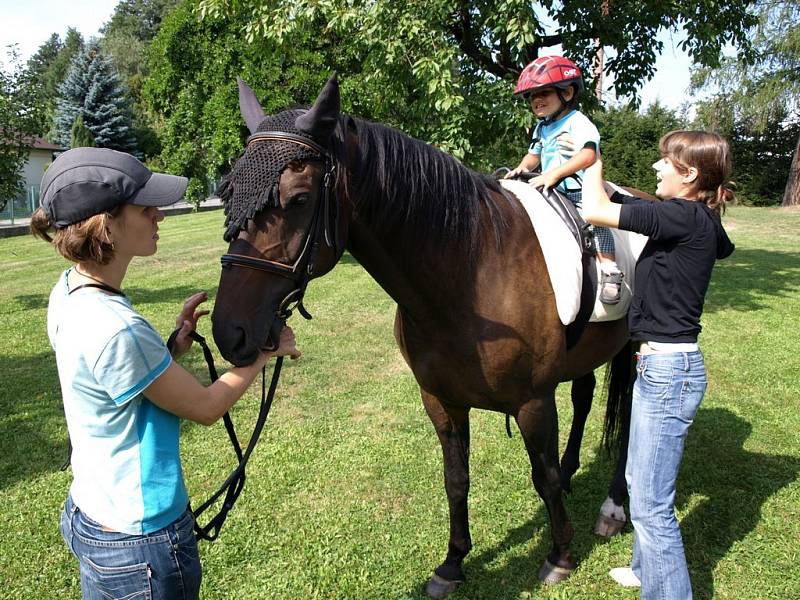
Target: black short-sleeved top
x=674, y=269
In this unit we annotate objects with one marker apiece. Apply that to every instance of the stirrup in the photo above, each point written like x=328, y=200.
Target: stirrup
x=607, y=280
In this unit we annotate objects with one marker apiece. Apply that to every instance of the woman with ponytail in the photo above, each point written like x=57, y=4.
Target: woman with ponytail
x=686, y=237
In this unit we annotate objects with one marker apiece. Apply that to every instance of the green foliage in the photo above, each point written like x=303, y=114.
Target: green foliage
x=126, y=38
x=443, y=70
x=192, y=88
x=762, y=149
x=22, y=117
x=93, y=90
x=49, y=67
x=629, y=142
x=756, y=101
x=80, y=136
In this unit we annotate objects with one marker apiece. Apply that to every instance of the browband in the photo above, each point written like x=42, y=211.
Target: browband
x=263, y=136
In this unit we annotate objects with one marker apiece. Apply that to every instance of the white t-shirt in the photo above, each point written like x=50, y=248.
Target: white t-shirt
x=125, y=454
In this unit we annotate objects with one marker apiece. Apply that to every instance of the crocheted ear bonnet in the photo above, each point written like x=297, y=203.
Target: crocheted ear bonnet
x=252, y=184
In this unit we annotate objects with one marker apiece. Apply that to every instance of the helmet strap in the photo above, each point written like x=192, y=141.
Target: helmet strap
x=565, y=107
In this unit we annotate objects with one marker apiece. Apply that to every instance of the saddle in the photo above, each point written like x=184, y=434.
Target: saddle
x=568, y=247
x=582, y=232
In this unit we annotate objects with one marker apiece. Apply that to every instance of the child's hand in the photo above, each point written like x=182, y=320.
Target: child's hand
x=515, y=172
x=545, y=181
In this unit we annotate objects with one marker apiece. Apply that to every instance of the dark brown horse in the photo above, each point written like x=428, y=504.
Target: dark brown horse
x=476, y=317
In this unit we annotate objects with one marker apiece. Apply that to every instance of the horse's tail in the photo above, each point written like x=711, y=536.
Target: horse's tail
x=619, y=385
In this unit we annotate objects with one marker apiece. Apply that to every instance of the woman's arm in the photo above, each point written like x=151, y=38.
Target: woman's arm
x=597, y=208
x=178, y=392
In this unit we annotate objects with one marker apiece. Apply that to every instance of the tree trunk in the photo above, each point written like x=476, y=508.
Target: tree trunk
x=791, y=197
x=598, y=66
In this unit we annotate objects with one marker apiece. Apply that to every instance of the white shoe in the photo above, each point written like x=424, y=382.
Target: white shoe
x=625, y=577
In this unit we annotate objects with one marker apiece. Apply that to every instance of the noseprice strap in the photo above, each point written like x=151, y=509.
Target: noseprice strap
x=324, y=224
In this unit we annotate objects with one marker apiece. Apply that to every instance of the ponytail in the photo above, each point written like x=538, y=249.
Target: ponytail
x=41, y=225
x=723, y=196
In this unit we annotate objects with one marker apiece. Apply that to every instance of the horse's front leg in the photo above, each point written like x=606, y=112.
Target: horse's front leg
x=452, y=427
x=538, y=424
x=582, y=393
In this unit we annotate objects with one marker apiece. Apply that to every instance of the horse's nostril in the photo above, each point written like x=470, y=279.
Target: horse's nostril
x=230, y=339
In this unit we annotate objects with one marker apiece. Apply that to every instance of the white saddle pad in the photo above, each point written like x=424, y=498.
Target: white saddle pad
x=563, y=257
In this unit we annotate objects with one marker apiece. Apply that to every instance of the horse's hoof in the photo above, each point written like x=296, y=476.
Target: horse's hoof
x=439, y=587
x=551, y=574
x=607, y=526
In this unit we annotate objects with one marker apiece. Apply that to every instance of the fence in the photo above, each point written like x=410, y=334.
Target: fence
x=21, y=207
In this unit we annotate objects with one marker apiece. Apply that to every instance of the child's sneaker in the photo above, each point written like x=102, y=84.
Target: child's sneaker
x=610, y=286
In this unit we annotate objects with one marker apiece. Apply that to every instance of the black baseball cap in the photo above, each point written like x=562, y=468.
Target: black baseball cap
x=84, y=182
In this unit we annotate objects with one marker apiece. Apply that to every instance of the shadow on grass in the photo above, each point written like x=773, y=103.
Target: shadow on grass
x=33, y=432
x=716, y=467
x=138, y=296
x=742, y=280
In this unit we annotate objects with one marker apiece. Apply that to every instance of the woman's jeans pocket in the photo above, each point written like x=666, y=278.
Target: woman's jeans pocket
x=163, y=564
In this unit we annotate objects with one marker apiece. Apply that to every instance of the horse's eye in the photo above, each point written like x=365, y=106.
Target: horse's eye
x=299, y=199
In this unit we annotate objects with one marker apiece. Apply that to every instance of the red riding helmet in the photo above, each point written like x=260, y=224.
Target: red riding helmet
x=550, y=71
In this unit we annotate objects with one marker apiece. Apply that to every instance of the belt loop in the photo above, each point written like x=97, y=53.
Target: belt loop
x=686, y=361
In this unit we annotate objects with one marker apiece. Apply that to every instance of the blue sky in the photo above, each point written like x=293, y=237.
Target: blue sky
x=30, y=22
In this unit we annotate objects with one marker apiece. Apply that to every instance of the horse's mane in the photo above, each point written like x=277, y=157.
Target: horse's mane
x=401, y=180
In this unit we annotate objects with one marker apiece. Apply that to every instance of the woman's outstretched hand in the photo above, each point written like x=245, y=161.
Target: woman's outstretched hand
x=187, y=322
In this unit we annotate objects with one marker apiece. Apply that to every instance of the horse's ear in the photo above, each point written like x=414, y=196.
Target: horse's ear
x=320, y=121
x=249, y=106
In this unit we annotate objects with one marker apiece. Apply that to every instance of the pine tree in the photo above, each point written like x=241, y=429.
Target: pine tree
x=80, y=136
x=93, y=91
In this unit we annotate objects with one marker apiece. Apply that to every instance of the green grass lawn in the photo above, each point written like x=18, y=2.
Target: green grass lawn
x=344, y=496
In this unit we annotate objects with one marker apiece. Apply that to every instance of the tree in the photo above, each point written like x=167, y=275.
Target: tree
x=629, y=142
x=762, y=92
x=80, y=136
x=49, y=67
x=192, y=89
x=449, y=65
x=22, y=117
x=126, y=38
x=93, y=91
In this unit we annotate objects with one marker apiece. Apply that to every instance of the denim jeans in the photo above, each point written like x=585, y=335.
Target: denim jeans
x=666, y=396
x=159, y=565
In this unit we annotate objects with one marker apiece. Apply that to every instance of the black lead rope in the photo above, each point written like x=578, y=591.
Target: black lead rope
x=234, y=484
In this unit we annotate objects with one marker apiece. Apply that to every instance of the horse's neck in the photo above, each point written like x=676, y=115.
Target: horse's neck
x=441, y=281
x=397, y=271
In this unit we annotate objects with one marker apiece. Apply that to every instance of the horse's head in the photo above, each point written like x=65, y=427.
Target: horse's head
x=282, y=222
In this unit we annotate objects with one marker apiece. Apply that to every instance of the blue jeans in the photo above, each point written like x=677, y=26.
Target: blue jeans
x=666, y=396
x=159, y=565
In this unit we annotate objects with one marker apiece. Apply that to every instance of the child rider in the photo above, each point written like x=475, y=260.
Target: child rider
x=553, y=85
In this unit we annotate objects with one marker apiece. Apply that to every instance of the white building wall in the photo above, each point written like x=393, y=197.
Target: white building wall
x=38, y=161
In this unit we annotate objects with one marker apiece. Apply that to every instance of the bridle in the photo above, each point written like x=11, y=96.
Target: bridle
x=324, y=224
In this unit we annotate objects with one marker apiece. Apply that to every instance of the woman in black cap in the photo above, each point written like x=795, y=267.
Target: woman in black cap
x=126, y=517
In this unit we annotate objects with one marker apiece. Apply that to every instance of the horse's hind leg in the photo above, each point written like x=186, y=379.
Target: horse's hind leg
x=582, y=393
x=612, y=518
x=452, y=428
x=538, y=424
